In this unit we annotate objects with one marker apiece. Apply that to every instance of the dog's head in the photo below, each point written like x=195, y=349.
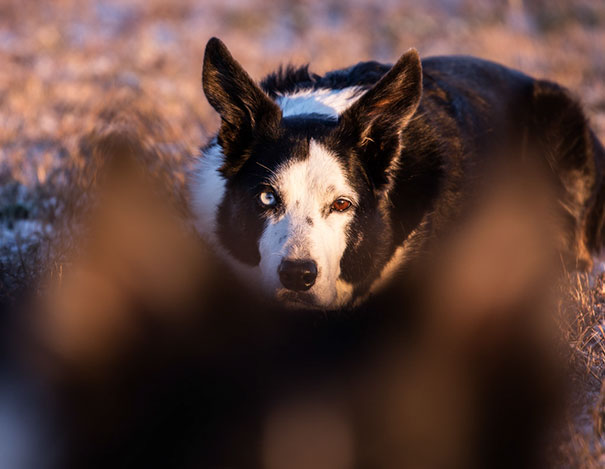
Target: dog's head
x=297, y=196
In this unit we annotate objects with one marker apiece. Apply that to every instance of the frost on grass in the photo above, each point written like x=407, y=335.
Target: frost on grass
x=25, y=234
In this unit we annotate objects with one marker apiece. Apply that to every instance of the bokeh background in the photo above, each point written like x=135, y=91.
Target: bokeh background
x=60, y=59
x=69, y=67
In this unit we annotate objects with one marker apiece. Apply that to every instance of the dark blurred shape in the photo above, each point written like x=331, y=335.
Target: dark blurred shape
x=136, y=255
x=151, y=354
x=308, y=431
x=481, y=383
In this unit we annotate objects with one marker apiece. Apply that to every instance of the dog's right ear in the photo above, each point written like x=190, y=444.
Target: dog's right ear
x=376, y=120
x=243, y=106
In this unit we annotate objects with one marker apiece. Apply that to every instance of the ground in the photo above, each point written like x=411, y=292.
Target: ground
x=63, y=62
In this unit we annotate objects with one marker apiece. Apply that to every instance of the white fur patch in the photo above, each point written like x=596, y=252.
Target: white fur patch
x=399, y=257
x=208, y=189
x=389, y=270
x=320, y=101
x=307, y=229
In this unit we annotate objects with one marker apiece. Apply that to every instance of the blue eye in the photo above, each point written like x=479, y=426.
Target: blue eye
x=268, y=198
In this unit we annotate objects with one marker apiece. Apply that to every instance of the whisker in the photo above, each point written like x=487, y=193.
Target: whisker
x=267, y=168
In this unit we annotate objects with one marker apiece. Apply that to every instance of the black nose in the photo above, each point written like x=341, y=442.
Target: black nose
x=298, y=275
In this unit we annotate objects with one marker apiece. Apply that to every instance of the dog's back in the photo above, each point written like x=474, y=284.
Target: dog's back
x=479, y=113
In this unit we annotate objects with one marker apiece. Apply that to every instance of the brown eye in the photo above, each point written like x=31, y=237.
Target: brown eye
x=340, y=205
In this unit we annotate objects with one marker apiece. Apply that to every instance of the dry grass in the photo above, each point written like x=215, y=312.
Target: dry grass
x=582, y=311
x=64, y=63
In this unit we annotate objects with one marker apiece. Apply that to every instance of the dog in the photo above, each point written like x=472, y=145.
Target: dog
x=318, y=189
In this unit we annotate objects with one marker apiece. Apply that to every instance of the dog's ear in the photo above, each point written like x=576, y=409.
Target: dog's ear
x=243, y=106
x=375, y=121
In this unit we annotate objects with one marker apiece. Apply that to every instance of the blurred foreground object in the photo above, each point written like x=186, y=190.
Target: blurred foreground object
x=150, y=353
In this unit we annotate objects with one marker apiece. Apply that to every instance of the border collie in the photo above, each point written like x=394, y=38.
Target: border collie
x=317, y=189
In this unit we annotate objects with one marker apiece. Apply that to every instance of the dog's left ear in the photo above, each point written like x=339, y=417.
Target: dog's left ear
x=244, y=107
x=375, y=121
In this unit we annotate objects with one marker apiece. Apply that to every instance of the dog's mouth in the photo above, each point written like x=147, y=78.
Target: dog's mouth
x=292, y=299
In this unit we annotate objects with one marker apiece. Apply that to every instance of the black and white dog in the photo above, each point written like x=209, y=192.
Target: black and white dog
x=318, y=188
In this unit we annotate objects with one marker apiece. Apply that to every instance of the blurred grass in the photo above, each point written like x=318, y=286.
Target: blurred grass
x=64, y=63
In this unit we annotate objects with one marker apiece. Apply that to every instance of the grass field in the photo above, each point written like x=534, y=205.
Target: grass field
x=66, y=64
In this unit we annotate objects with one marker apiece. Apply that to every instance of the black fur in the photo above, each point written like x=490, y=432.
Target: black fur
x=291, y=79
x=245, y=110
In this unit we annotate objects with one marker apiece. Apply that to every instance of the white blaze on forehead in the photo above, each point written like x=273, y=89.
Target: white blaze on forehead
x=319, y=179
x=306, y=229
x=324, y=101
